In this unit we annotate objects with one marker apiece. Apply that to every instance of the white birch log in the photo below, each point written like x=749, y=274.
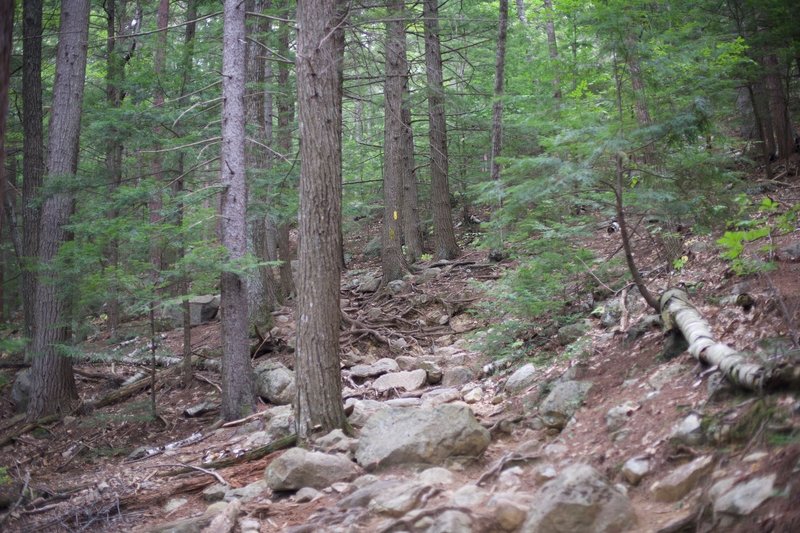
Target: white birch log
x=677, y=311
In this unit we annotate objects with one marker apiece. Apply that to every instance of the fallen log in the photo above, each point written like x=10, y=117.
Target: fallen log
x=678, y=312
x=252, y=455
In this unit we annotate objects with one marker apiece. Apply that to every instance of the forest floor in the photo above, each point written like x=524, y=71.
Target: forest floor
x=79, y=472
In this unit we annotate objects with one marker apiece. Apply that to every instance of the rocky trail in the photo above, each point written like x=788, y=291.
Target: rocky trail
x=609, y=425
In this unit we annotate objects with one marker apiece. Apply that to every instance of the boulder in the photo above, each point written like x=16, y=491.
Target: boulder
x=433, y=371
x=363, y=496
x=362, y=410
x=420, y=435
x=562, y=402
x=369, y=284
x=790, y=252
x=682, y=480
x=297, y=468
x=689, y=431
x=579, y=499
x=406, y=380
x=397, y=286
x=21, y=390
x=521, y=379
x=399, y=499
x=436, y=476
x=336, y=441
x=743, y=498
x=275, y=383
x=381, y=366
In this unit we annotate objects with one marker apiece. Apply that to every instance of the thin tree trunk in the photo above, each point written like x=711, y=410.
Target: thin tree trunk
x=523, y=18
x=499, y=83
x=33, y=151
x=759, y=123
x=188, y=63
x=238, y=397
x=392, y=262
x=156, y=202
x=318, y=408
x=640, y=107
x=6, y=44
x=779, y=111
x=52, y=382
x=285, y=103
x=552, y=45
x=445, y=246
x=412, y=233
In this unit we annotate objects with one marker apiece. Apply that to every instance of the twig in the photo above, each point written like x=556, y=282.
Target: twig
x=192, y=467
x=203, y=378
x=243, y=420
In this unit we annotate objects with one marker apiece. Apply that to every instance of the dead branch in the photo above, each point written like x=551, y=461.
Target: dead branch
x=27, y=428
x=216, y=475
x=252, y=455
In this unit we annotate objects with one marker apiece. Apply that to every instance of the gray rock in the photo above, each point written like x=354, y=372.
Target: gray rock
x=436, y=476
x=297, y=468
x=21, y=390
x=407, y=380
x=307, y=494
x=744, y=498
x=562, y=402
x=428, y=274
x=403, y=402
x=248, y=492
x=469, y=496
x=399, y=499
x=457, y=376
x=507, y=511
x=572, y=332
x=336, y=441
x=544, y=473
x=202, y=309
x=790, y=252
x=473, y=395
x=249, y=525
x=616, y=417
x=363, y=410
x=682, y=480
x=521, y=379
x=689, y=430
x=635, y=469
x=420, y=435
x=363, y=496
x=463, y=323
x=665, y=374
x=397, y=286
x=215, y=492
x=451, y=521
x=440, y=396
x=579, y=499
x=381, y=366
x=369, y=284
x=275, y=383
x=611, y=313
x=173, y=504
x=433, y=371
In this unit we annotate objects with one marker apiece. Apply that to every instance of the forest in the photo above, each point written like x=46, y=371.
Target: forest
x=219, y=214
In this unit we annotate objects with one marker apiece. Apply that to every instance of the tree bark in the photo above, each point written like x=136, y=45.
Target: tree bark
x=6, y=44
x=238, y=398
x=156, y=203
x=552, y=46
x=778, y=109
x=412, y=233
x=52, y=382
x=285, y=104
x=677, y=311
x=392, y=262
x=445, y=245
x=640, y=107
x=318, y=408
x=499, y=83
x=33, y=151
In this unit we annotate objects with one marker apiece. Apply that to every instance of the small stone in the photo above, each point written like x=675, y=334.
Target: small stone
x=508, y=513
x=572, y=332
x=248, y=492
x=381, y=366
x=562, y=402
x=474, y=395
x=463, y=323
x=336, y=441
x=215, y=492
x=617, y=416
x=635, y=469
x=174, y=504
x=521, y=379
x=403, y=402
x=469, y=496
x=436, y=476
x=433, y=371
x=681, y=481
x=689, y=430
x=544, y=473
x=307, y=494
x=755, y=457
x=341, y=487
x=406, y=362
x=397, y=286
x=249, y=525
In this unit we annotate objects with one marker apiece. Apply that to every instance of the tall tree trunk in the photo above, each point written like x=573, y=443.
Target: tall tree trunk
x=445, y=246
x=285, y=103
x=52, y=382
x=640, y=107
x=156, y=203
x=318, y=408
x=521, y=15
x=188, y=67
x=412, y=233
x=499, y=83
x=762, y=132
x=238, y=397
x=778, y=109
x=392, y=262
x=552, y=45
x=33, y=151
x=262, y=301
x=6, y=38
